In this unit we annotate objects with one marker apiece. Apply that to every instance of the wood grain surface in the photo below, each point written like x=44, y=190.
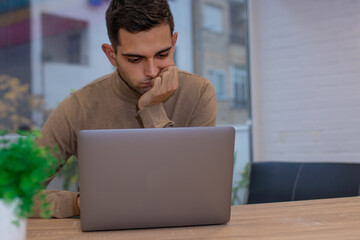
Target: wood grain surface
x=328, y=219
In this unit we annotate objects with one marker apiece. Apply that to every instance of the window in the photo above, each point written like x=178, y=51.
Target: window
x=74, y=48
x=238, y=21
x=213, y=18
x=240, y=87
x=218, y=79
x=69, y=37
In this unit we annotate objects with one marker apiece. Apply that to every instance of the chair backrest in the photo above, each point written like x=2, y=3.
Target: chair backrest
x=289, y=181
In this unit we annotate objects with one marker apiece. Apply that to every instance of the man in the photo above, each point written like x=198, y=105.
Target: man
x=145, y=91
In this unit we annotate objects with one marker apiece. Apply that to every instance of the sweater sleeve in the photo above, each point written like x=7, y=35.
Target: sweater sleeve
x=62, y=204
x=154, y=116
x=61, y=130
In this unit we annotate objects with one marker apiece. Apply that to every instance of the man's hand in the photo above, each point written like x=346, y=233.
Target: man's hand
x=78, y=202
x=163, y=87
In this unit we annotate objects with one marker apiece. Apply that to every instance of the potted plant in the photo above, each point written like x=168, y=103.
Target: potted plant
x=24, y=167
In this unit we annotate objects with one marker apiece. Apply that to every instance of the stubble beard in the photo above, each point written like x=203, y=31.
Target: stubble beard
x=139, y=91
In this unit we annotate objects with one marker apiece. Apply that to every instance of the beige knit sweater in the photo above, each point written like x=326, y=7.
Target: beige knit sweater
x=108, y=103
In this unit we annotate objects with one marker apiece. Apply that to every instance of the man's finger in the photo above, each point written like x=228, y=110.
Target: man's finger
x=156, y=82
x=172, y=76
x=175, y=79
x=172, y=79
x=166, y=82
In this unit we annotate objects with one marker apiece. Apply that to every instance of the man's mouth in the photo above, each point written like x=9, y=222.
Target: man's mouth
x=148, y=84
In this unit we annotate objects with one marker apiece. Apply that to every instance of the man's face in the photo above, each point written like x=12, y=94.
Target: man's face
x=141, y=56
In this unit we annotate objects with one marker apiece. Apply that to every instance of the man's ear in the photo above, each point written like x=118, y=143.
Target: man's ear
x=110, y=53
x=174, y=39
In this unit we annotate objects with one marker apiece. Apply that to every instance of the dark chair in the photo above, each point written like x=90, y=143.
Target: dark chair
x=285, y=181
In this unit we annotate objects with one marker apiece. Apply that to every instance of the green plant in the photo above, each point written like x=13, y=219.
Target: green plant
x=24, y=167
x=242, y=184
x=70, y=172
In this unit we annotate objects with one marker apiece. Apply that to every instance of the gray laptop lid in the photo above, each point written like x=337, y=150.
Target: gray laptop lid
x=141, y=178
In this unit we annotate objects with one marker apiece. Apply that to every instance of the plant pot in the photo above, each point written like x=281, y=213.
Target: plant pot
x=8, y=229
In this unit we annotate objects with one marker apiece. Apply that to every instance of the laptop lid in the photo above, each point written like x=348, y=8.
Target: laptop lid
x=141, y=178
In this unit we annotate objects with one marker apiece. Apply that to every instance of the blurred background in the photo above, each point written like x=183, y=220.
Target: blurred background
x=286, y=72
x=50, y=48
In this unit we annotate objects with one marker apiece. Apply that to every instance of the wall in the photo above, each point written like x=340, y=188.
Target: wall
x=305, y=68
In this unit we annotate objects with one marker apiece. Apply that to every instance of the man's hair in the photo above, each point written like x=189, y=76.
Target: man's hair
x=136, y=16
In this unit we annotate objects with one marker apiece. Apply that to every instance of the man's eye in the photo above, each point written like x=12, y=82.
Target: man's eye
x=164, y=55
x=134, y=60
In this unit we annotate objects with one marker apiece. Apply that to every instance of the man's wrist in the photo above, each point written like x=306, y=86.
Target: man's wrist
x=141, y=105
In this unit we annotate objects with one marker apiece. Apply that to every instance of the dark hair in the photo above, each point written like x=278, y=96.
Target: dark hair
x=136, y=16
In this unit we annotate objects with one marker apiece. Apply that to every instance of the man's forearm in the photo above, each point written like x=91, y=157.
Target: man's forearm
x=62, y=204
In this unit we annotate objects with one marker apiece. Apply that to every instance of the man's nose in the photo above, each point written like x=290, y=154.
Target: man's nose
x=151, y=70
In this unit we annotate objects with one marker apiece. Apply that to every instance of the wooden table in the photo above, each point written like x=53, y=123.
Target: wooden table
x=315, y=219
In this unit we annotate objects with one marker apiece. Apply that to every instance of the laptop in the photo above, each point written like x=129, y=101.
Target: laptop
x=147, y=178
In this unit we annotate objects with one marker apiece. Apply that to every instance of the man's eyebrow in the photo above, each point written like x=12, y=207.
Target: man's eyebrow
x=164, y=50
x=140, y=56
x=132, y=55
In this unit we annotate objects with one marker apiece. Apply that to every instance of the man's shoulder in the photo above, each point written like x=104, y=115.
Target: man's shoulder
x=99, y=85
x=187, y=78
x=100, y=88
x=193, y=81
x=185, y=75
x=99, y=82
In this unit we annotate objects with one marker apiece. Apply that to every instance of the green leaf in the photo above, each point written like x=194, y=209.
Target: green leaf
x=16, y=223
x=24, y=167
x=3, y=132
